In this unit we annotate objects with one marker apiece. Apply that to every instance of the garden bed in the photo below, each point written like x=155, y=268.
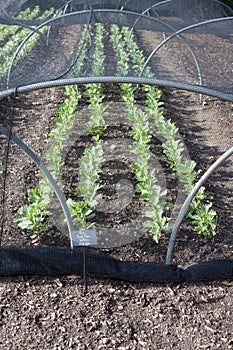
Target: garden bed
x=54, y=313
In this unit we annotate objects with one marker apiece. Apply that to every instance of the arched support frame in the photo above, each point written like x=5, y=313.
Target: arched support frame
x=189, y=199
x=96, y=14
x=177, y=33
x=114, y=79
x=182, y=39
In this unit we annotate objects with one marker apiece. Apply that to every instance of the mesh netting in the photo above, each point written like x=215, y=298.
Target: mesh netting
x=185, y=47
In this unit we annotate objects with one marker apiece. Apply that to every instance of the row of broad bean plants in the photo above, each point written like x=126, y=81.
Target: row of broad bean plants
x=200, y=211
x=83, y=209
x=33, y=215
x=17, y=35
x=147, y=184
x=144, y=123
x=96, y=125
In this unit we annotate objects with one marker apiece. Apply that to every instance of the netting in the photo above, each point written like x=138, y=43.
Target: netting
x=178, y=44
x=55, y=41
x=59, y=261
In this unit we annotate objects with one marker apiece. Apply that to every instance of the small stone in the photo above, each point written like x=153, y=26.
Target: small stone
x=105, y=341
x=58, y=282
x=53, y=295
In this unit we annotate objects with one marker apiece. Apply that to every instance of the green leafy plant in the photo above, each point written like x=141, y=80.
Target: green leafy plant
x=89, y=169
x=33, y=215
x=96, y=124
x=204, y=219
x=81, y=213
x=150, y=192
x=127, y=94
x=135, y=55
x=82, y=49
x=121, y=54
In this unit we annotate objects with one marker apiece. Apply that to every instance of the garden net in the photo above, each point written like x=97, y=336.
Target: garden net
x=184, y=46
x=179, y=43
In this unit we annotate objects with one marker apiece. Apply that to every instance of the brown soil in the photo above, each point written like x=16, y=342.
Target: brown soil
x=54, y=313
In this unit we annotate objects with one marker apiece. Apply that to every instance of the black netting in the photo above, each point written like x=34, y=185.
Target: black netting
x=58, y=261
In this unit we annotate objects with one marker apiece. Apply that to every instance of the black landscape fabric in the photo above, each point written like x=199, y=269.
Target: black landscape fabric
x=58, y=261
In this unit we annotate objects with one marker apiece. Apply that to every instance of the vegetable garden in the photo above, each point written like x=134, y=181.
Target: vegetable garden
x=100, y=168
x=100, y=53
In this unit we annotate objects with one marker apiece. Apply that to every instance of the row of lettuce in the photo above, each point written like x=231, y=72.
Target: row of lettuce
x=145, y=122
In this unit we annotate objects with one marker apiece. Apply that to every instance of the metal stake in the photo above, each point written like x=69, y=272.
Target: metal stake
x=85, y=270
